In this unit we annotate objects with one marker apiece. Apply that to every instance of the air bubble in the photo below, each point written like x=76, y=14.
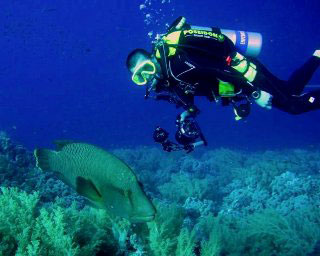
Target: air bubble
x=157, y=14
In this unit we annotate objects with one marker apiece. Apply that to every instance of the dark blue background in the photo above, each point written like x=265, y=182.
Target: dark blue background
x=63, y=75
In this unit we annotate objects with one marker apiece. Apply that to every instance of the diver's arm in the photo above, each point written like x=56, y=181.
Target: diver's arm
x=174, y=95
x=174, y=99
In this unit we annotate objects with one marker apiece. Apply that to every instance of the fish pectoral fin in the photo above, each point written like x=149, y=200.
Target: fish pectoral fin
x=61, y=143
x=87, y=188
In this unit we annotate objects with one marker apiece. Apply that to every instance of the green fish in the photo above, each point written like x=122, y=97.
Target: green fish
x=99, y=176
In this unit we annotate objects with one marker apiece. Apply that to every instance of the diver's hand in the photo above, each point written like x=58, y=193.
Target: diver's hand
x=264, y=100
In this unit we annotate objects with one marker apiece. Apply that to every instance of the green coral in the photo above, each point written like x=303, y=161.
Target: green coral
x=26, y=230
x=254, y=180
x=181, y=186
x=264, y=233
x=211, y=228
x=50, y=229
x=186, y=242
x=16, y=222
x=167, y=236
x=164, y=230
x=273, y=233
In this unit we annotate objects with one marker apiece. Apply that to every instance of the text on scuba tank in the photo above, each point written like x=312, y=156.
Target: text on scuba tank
x=242, y=37
x=219, y=37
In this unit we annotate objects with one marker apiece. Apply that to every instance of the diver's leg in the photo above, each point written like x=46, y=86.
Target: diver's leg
x=300, y=78
x=299, y=104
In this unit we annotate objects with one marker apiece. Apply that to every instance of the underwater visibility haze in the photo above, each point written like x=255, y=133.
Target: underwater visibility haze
x=254, y=190
x=63, y=71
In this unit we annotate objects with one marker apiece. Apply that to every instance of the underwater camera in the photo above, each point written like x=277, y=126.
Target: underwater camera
x=188, y=131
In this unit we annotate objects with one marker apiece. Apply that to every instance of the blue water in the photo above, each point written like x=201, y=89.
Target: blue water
x=63, y=75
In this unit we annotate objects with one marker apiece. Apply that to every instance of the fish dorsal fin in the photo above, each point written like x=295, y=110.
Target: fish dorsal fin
x=61, y=143
x=87, y=189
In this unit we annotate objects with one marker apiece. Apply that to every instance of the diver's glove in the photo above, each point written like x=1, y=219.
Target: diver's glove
x=317, y=53
x=263, y=99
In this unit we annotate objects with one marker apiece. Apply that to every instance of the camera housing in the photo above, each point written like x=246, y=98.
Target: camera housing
x=188, y=131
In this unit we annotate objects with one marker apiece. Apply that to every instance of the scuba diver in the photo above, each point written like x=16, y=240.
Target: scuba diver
x=191, y=61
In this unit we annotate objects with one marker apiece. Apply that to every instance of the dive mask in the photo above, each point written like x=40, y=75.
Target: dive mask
x=143, y=71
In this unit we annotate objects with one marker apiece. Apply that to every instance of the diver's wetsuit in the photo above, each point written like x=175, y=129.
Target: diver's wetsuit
x=288, y=94
x=200, y=61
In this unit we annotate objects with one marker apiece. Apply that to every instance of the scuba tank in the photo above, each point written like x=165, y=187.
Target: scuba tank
x=247, y=43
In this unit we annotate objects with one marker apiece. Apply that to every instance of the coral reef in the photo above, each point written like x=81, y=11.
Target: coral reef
x=220, y=202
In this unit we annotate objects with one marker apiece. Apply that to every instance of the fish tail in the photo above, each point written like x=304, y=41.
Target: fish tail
x=43, y=158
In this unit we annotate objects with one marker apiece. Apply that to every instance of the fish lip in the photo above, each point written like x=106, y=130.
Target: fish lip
x=142, y=218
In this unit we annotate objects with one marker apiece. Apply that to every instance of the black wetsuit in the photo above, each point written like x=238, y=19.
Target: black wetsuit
x=288, y=95
x=200, y=62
